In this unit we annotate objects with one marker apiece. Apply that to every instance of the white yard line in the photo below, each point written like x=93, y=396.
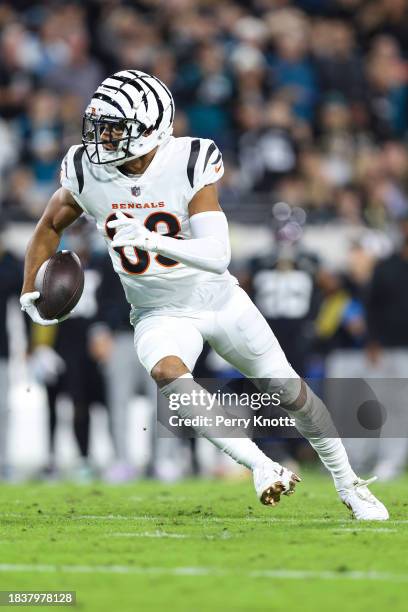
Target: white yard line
x=205, y=571
x=364, y=529
x=218, y=519
x=330, y=575
x=213, y=519
x=159, y=498
x=209, y=519
x=165, y=534
x=149, y=534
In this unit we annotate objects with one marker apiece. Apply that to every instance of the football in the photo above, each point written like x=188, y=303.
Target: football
x=60, y=281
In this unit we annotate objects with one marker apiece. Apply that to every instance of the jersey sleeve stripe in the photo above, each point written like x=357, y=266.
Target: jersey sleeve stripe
x=219, y=157
x=79, y=170
x=192, y=160
x=105, y=98
x=210, y=151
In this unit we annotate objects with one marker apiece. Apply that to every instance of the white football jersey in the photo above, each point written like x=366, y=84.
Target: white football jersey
x=159, y=198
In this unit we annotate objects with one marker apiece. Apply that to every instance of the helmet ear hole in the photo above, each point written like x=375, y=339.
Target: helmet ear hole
x=148, y=131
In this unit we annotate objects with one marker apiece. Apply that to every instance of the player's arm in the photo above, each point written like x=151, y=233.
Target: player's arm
x=208, y=249
x=61, y=211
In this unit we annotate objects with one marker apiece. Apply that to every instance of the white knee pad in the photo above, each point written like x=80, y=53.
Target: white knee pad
x=255, y=332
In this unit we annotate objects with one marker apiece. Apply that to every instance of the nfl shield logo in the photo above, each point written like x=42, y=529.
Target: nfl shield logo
x=135, y=191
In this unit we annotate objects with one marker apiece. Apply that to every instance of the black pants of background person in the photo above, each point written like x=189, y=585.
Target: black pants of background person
x=83, y=383
x=80, y=423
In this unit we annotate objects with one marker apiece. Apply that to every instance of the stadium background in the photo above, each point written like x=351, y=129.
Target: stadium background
x=308, y=102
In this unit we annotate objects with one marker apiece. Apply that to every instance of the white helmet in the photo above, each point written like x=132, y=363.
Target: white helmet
x=134, y=112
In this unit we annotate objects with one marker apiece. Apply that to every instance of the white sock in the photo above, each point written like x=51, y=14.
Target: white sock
x=313, y=421
x=242, y=450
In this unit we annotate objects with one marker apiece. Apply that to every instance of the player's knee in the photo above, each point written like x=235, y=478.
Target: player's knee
x=168, y=369
x=292, y=391
x=297, y=399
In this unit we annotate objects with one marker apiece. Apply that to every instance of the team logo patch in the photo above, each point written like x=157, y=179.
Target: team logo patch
x=135, y=191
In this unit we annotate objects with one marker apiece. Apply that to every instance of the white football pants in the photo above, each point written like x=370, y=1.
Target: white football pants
x=233, y=326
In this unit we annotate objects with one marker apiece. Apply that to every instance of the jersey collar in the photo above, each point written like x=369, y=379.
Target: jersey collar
x=153, y=169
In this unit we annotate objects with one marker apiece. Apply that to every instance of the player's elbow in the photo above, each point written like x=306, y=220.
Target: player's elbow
x=223, y=264
x=220, y=264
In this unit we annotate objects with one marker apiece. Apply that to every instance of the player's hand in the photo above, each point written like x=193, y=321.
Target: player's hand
x=27, y=301
x=131, y=232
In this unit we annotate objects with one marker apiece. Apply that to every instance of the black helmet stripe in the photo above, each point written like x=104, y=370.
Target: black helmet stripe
x=170, y=96
x=156, y=96
x=122, y=91
x=160, y=107
x=105, y=98
x=128, y=81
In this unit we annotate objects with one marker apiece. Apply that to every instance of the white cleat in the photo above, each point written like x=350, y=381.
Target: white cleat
x=271, y=480
x=364, y=506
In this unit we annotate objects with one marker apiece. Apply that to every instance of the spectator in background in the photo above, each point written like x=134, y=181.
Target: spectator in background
x=71, y=119
x=8, y=158
x=11, y=276
x=339, y=66
x=62, y=361
x=42, y=134
x=207, y=92
x=23, y=198
x=253, y=79
x=337, y=141
x=306, y=98
x=16, y=78
x=111, y=344
x=80, y=73
x=343, y=79
x=382, y=177
x=250, y=74
x=387, y=88
x=292, y=71
x=268, y=150
x=125, y=38
x=387, y=349
x=282, y=286
x=314, y=190
x=387, y=301
x=385, y=16
x=340, y=321
x=349, y=206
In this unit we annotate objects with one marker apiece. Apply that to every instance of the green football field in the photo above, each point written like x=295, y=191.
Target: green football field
x=203, y=545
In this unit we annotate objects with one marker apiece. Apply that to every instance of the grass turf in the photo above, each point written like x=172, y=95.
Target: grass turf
x=203, y=545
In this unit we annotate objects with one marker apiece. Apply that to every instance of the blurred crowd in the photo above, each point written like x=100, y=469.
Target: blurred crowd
x=308, y=101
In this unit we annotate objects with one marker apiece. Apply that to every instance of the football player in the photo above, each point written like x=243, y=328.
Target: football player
x=155, y=202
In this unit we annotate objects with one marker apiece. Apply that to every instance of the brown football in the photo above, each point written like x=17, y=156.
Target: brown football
x=60, y=281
